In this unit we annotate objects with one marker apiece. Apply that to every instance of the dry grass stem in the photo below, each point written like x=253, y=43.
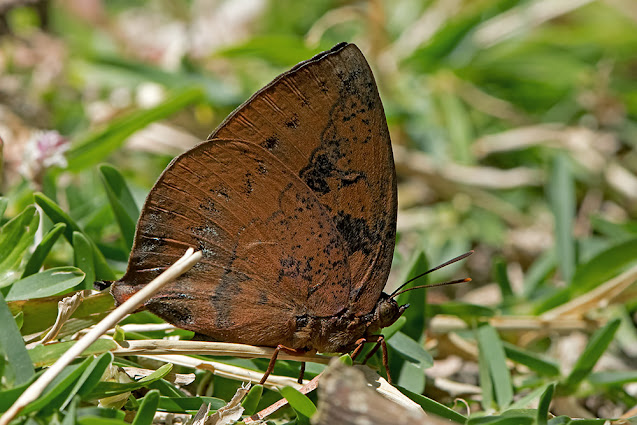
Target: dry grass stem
x=161, y=346
x=66, y=308
x=31, y=394
x=442, y=324
x=176, y=378
x=225, y=371
x=615, y=290
x=526, y=16
x=421, y=164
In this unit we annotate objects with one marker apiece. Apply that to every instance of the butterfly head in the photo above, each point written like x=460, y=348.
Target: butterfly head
x=388, y=311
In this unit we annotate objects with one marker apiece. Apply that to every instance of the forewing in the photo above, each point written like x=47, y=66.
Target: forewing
x=325, y=121
x=270, y=251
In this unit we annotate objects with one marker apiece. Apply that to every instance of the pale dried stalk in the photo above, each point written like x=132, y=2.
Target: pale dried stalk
x=176, y=378
x=31, y=394
x=452, y=179
x=225, y=371
x=442, y=324
x=615, y=290
x=66, y=308
x=161, y=346
x=483, y=177
x=529, y=15
x=231, y=412
x=260, y=416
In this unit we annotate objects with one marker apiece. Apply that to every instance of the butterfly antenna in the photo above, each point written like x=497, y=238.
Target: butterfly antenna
x=453, y=260
x=433, y=285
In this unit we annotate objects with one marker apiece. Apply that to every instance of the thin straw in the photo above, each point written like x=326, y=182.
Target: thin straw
x=32, y=393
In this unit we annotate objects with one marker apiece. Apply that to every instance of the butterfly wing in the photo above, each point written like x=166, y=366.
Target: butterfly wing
x=324, y=119
x=270, y=251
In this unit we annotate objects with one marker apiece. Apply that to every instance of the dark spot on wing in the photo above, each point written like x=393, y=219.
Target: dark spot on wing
x=271, y=143
x=357, y=233
x=171, y=311
x=228, y=290
x=221, y=191
x=208, y=205
x=261, y=168
x=248, y=183
x=293, y=122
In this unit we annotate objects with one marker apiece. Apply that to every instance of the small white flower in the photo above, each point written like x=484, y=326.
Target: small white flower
x=44, y=149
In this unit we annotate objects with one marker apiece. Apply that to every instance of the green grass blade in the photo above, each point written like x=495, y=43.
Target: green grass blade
x=187, y=404
x=490, y=344
x=412, y=378
x=251, y=401
x=531, y=360
x=95, y=147
x=597, y=345
x=560, y=420
x=19, y=321
x=417, y=299
x=12, y=345
x=448, y=39
x=461, y=309
x=108, y=389
x=96, y=420
x=166, y=388
x=486, y=382
x=411, y=351
x=543, y=407
x=9, y=396
x=459, y=127
x=42, y=250
x=100, y=413
x=71, y=412
x=4, y=202
x=528, y=399
x=84, y=259
x=501, y=420
x=121, y=201
x=301, y=404
x=539, y=271
x=217, y=92
x=51, y=396
x=604, y=266
x=45, y=284
x=613, y=378
x=433, y=407
x=593, y=273
x=40, y=313
x=46, y=355
x=280, y=49
x=15, y=238
x=57, y=215
x=346, y=359
x=147, y=409
x=502, y=278
x=561, y=192
x=90, y=378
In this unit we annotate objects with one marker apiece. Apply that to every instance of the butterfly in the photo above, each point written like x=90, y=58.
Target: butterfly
x=292, y=202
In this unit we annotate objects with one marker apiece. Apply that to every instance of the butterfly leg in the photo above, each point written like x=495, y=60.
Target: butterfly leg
x=380, y=343
x=301, y=373
x=273, y=360
x=359, y=347
x=378, y=339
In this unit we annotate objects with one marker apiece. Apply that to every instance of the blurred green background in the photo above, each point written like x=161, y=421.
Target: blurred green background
x=489, y=92
x=513, y=124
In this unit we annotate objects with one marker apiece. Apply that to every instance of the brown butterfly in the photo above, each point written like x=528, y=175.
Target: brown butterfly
x=292, y=201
